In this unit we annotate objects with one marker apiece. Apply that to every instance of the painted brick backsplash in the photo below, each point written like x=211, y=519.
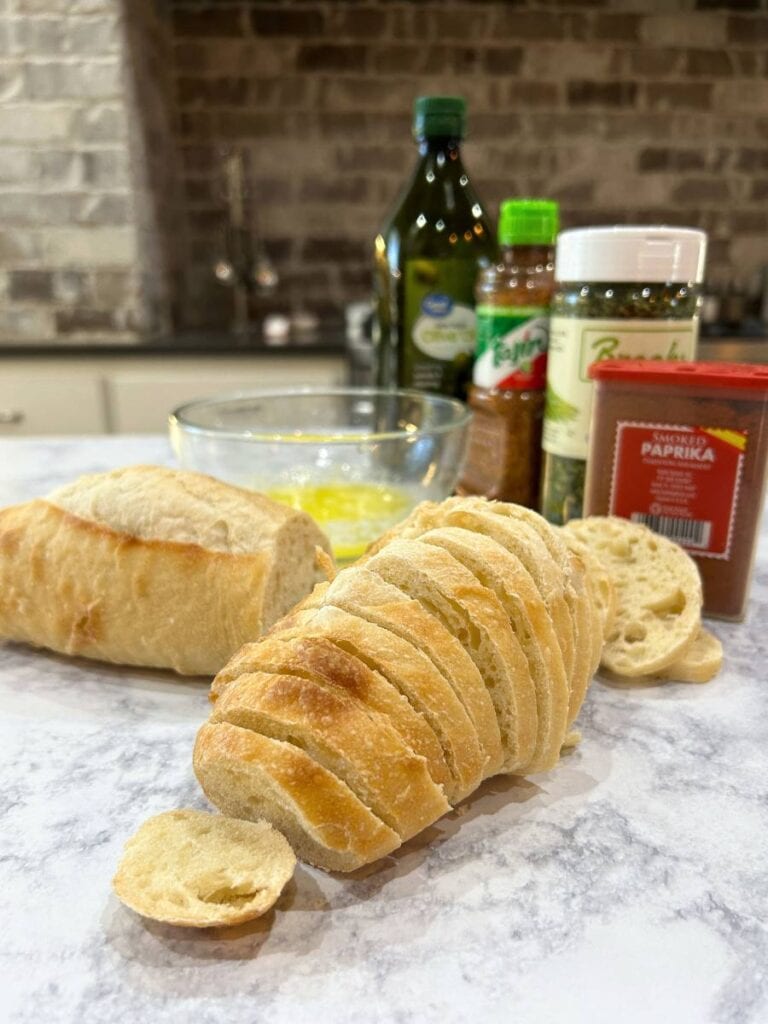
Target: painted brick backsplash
x=114, y=118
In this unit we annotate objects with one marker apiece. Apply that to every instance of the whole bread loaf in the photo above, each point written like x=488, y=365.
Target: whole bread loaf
x=152, y=566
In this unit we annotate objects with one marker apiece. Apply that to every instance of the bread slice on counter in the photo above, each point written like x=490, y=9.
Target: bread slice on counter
x=152, y=566
x=251, y=776
x=363, y=750
x=202, y=870
x=474, y=614
x=368, y=596
x=313, y=656
x=504, y=574
x=658, y=594
x=700, y=663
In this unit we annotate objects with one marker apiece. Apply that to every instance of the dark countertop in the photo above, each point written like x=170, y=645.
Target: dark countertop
x=326, y=341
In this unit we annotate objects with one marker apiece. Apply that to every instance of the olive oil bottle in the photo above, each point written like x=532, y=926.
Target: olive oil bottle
x=427, y=258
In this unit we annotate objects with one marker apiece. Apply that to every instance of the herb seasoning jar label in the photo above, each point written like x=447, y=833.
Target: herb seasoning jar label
x=511, y=347
x=575, y=344
x=623, y=292
x=681, y=481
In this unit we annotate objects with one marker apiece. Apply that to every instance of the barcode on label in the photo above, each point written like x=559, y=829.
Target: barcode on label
x=691, y=533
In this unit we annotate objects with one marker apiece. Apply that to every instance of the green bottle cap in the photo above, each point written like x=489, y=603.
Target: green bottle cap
x=528, y=222
x=439, y=115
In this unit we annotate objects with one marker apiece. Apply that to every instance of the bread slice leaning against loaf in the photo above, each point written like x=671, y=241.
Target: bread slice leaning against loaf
x=658, y=594
x=152, y=566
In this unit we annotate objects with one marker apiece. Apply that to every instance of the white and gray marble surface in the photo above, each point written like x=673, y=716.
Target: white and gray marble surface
x=630, y=884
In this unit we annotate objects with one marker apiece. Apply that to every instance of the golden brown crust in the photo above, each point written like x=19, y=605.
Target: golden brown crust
x=82, y=587
x=248, y=775
x=366, y=753
x=304, y=653
x=430, y=699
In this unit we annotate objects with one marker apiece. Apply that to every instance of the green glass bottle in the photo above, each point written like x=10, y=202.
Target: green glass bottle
x=427, y=259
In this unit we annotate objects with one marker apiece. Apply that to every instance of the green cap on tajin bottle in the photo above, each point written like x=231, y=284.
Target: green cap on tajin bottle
x=439, y=116
x=528, y=222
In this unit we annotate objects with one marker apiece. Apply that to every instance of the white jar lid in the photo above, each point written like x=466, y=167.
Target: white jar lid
x=650, y=254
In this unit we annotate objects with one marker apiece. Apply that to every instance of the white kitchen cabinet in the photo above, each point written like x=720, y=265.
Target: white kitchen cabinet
x=116, y=393
x=51, y=404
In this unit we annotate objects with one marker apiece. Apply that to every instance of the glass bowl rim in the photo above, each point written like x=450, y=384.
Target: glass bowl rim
x=178, y=416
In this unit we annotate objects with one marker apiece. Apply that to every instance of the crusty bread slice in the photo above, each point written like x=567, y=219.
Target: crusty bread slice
x=203, y=870
x=504, y=574
x=364, y=751
x=364, y=594
x=658, y=594
x=252, y=776
x=700, y=663
x=598, y=582
x=317, y=658
x=474, y=614
x=414, y=678
x=152, y=566
x=586, y=634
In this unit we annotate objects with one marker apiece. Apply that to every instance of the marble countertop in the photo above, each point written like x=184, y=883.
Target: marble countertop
x=630, y=884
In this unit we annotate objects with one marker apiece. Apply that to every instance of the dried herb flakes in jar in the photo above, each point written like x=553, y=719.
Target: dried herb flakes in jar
x=623, y=293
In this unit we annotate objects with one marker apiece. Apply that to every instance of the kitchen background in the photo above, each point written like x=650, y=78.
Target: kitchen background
x=120, y=121
x=114, y=118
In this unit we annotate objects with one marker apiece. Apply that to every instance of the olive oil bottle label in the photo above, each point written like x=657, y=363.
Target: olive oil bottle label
x=439, y=324
x=511, y=347
x=574, y=344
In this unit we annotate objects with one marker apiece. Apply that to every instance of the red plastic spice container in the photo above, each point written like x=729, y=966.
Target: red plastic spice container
x=682, y=447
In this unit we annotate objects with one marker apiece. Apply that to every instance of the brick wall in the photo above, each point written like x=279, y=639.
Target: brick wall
x=624, y=111
x=113, y=117
x=80, y=256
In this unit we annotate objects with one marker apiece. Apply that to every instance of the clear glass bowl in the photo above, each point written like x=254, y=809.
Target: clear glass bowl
x=356, y=459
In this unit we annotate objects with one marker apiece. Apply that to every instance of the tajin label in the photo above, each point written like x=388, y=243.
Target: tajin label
x=683, y=482
x=512, y=347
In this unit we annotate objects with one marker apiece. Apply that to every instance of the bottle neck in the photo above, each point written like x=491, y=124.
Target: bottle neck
x=441, y=150
x=528, y=255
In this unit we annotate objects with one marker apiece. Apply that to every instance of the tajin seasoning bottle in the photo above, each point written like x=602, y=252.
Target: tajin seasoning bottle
x=507, y=393
x=427, y=258
x=622, y=293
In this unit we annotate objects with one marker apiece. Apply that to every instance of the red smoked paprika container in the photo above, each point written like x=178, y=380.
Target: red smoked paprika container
x=683, y=447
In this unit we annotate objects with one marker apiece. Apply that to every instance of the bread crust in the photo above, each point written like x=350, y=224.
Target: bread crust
x=435, y=577
x=310, y=653
x=251, y=776
x=412, y=676
x=365, y=752
x=368, y=596
x=502, y=572
x=84, y=588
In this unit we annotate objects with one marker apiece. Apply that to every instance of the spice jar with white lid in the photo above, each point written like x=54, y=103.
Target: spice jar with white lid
x=622, y=293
